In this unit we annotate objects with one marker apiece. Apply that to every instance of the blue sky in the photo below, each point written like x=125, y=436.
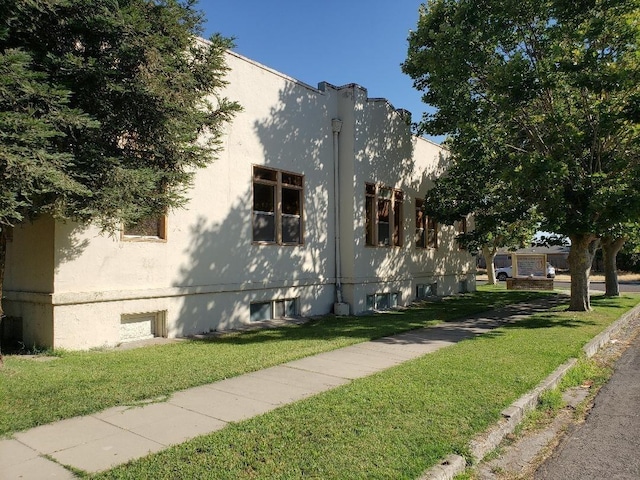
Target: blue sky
x=337, y=41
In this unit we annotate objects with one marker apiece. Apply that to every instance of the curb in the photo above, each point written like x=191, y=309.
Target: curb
x=484, y=443
x=604, y=337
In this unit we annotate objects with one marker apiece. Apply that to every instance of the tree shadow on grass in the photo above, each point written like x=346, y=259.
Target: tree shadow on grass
x=467, y=309
x=608, y=302
x=550, y=320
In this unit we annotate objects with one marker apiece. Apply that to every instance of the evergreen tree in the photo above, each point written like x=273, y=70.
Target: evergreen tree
x=107, y=107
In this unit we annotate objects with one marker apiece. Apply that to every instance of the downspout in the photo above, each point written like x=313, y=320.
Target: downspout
x=336, y=125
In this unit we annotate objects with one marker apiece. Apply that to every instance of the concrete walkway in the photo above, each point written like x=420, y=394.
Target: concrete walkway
x=112, y=437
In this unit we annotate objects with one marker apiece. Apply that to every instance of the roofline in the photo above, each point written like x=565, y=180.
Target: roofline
x=320, y=89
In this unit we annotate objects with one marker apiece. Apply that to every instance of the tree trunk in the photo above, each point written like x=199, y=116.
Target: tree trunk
x=610, y=248
x=583, y=248
x=489, y=254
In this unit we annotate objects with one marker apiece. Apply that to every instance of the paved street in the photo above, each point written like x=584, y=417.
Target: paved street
x=625, y=287
x=607, y=445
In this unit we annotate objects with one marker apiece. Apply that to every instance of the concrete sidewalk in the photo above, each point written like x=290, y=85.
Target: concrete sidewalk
x=103, y=440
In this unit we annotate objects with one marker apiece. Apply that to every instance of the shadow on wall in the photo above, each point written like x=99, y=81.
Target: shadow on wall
x=295, y=137
x=224, y=270
x=70, y=243
x=389, y=155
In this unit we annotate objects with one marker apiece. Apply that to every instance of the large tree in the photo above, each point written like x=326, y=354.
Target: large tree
x=560, y=82
x=107, y=107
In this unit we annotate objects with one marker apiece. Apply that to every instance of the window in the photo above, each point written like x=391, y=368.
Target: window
x=383, y=216
x=421, y=225
x=398, y=198
x=382, y=301
x=277, y=206
x=274, y=309
x=426, y=228
x=149, y=228
x=143, y=326
x=461, y=229
x=425, y=290
x=432, y=232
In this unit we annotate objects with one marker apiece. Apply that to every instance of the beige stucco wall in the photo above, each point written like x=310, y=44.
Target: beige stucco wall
x=30, y=257
x=207, y=272
x=28, y=280
x=376, y=147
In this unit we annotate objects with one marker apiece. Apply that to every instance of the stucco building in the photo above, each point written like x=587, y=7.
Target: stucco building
x=314, y=201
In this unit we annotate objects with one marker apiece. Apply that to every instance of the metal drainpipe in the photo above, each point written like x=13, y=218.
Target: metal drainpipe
x=336, y=125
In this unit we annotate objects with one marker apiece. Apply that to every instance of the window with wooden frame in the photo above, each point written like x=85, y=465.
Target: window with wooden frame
x=273, y=309
x=426, y=235
x=421, y=224
x=383, y=216
x=432, y=233
x=461, y=229
x=153, y=227
x=277, y=206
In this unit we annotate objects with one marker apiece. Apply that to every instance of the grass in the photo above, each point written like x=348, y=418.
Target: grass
x=397, y=423
x=587, y=371
x=79, y=383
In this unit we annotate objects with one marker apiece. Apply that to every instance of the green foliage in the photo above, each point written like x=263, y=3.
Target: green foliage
x=587, y=370
x=102, y=103
x=472, y=187
x=552, y=88
x=33, y=115
x=551, y=400
x=547, y=92
x=629, y=261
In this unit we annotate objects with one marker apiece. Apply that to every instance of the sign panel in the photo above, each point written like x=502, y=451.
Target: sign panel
x=530, y=265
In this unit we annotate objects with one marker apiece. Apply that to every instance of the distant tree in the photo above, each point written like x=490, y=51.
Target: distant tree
x=559, y=81
x=107, y=109
x=550, y=240
x=612, y=243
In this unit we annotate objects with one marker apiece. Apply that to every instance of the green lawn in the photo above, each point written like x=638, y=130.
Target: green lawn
x=397, y=423
x=77, y=383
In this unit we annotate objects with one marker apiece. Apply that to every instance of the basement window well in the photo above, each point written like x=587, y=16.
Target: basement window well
x=382, y=301
x=273, y=309
x=426, y=290
x=142, y=326
x=152, y=228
